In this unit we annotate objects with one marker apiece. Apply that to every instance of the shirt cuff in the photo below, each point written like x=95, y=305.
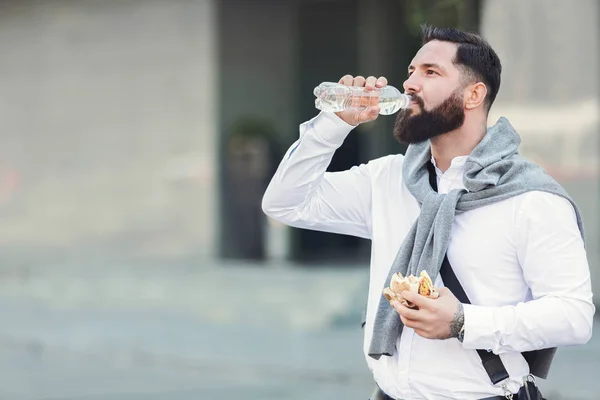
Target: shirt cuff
x=479, y=328
x=331, y=128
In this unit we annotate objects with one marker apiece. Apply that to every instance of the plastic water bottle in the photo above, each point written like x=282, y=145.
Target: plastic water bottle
x=335, y=97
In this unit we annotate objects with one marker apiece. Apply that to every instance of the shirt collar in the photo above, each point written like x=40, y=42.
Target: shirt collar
x=455, y=172
x=456, y=163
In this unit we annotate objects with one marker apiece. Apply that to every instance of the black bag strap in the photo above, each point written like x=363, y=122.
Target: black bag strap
x=491, y=362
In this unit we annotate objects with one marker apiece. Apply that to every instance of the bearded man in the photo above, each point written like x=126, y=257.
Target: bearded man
x=500, y=238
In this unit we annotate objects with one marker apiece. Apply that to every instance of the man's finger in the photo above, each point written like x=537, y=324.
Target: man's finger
x=359, y=81
x=417, y=299
x=410, y=323
x=367, y=114
x=381, y=82
x=405, y=312
x=347, y=80
x=370, y=83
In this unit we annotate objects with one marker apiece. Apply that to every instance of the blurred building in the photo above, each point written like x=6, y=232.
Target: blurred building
x=550, y=92
x=109, y=127
x=145, y=129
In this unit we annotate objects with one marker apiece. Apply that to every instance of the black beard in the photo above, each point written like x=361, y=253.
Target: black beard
x=445, y=118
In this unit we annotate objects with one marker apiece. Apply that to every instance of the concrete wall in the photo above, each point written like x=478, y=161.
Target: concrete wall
x=108, y=121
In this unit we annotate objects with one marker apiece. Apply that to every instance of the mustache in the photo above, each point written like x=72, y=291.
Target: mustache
x=417, y=100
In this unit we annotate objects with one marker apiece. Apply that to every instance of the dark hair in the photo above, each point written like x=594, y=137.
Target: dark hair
x=473, y=54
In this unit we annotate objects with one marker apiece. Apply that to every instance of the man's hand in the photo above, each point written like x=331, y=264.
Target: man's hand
x=440, y=318
x=366, y=112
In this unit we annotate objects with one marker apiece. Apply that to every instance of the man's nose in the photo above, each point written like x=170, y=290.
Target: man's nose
x=411, y=86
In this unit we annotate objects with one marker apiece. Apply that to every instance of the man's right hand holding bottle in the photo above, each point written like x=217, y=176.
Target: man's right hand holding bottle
x=366, y=112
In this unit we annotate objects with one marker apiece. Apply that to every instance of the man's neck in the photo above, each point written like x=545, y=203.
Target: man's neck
x=460, y=142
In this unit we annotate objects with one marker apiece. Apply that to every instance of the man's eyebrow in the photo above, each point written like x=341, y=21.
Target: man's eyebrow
x=427, y=65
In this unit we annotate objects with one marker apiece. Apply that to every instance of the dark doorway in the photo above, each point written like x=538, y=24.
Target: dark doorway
x=330, y=36
x=327, y=49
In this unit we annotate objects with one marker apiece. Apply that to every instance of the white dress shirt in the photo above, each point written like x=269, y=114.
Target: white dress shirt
x=521, y=262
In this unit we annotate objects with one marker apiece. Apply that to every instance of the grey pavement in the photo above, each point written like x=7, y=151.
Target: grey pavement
x=218, y=330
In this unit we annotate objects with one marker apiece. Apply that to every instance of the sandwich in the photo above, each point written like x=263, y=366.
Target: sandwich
x=422, y=285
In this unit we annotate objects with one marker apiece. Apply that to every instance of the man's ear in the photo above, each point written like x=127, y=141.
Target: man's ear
x=475, y=95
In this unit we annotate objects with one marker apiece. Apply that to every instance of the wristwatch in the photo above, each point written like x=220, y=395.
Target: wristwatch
x=461, y=334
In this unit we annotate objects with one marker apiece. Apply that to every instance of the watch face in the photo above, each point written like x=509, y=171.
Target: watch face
x=461, y=334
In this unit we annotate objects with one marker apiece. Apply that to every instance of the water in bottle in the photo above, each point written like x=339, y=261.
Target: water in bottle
x=335, y=97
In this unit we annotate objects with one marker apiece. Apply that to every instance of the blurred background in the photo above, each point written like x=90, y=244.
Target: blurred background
x=137, y=139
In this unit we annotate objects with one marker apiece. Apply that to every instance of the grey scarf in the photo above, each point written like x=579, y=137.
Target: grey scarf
x=494, y=171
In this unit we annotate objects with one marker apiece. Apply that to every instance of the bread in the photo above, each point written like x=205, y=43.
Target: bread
x=398, y=284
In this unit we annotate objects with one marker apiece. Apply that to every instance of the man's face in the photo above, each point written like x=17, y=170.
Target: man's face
x=435, y=85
